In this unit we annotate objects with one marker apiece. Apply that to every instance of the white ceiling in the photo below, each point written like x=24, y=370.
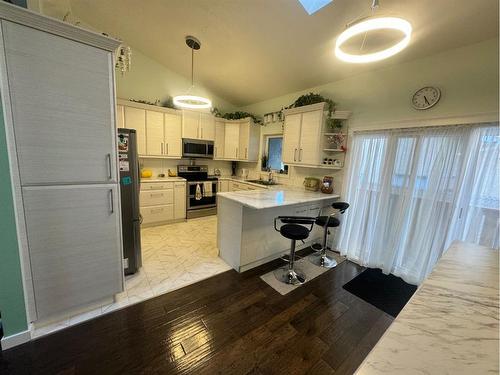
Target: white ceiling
x=254, y=50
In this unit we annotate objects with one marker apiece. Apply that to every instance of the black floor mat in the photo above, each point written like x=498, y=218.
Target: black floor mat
x=386, y=292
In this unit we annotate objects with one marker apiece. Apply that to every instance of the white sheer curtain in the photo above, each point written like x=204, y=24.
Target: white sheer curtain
x=476, y=218
x=404, y=187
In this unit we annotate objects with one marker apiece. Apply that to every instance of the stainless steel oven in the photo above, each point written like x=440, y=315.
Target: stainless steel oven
x=195, y=148
x=201, y=192
x=203, y=203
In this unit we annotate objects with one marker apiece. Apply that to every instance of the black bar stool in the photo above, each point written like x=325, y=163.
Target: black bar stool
x=320, y=258
x=293, y=228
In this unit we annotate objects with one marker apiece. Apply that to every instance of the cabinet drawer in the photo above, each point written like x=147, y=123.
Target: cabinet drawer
x=157, y=185
x=156, y=197
x=157, y=213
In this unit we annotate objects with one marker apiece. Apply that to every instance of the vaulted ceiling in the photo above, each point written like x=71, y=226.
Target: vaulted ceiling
x=253, y=50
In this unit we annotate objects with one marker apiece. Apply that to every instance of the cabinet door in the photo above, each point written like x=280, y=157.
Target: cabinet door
x=231, y=140
x=135, y=118
x=63, y=107
x=190, y=124
x=219, y=139
x=173, y=135
x=120, y=117
x=154, y=133
x=291, y=136
x=309, y=138
x=179, y=200
x=207, y=126
x=224, y=186
x=74, y=245
x=244, y=140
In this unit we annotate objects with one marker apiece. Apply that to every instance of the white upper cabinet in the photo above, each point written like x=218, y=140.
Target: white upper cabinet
x=155, y=138
x=207, y=126
x=173, y=135
x=231, y=140
x=291, y=138
x=198, y=125
x=135, y=118
x=61, y=97
x=159, y=130
x=249, y=140
x=302, y=135
x=220, y=130
x=310, y=137
x=190, y=124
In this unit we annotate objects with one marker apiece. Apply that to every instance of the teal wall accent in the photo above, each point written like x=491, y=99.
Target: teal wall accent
x=12, y=305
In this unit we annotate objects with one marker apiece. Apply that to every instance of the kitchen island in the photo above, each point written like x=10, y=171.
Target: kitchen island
x=245, y=227
x=450, y=325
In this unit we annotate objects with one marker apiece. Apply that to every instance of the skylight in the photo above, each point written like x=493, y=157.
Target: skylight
x=312, y=6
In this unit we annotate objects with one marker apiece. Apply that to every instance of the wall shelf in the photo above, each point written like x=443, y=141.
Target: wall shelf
x=333, y=150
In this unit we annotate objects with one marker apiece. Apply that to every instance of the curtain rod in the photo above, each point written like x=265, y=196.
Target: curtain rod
x=419, y=128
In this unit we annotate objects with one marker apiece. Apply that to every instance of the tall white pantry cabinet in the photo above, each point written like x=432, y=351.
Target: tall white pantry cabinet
x=58, y=96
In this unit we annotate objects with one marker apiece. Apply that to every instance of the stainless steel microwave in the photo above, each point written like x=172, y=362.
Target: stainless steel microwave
x=196, y=148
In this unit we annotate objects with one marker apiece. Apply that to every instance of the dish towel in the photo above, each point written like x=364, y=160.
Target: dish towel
x=197, y=194
x=207, y=189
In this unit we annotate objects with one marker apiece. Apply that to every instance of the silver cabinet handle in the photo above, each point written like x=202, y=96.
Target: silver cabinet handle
x=215, y=151
x=295, y=155
x=162, y=148
x=167, y=150
x=236, y=151
x=201, y=132
x=246, y=153
x=110, y=169
x=300, y=155
x=111, y=203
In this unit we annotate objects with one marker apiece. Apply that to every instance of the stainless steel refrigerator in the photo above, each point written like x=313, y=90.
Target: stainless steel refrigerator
x=129, y=191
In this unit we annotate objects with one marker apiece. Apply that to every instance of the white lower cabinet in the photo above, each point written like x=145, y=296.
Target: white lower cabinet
x=71, y=268
x=162, y=202
x=180, y=200
x=223, y=186
x=157, y=214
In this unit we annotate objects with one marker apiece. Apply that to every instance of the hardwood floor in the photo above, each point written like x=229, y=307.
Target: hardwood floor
x=229, y=324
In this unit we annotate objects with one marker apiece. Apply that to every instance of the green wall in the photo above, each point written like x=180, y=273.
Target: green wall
x=12, y=305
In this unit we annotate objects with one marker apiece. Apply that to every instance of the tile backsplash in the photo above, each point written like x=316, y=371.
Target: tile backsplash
x=159, y=166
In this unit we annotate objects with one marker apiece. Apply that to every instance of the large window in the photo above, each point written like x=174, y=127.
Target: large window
x=413, y=192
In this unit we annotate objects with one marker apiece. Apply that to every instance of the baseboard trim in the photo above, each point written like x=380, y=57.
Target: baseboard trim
x=15, y=339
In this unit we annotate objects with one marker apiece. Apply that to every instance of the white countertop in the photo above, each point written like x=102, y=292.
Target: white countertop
x=162, y=179
x=450, y=325
x=275, y=196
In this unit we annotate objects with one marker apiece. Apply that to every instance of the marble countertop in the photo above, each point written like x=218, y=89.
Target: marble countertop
x=451, y=324
x=275, y=196
x=162, y=179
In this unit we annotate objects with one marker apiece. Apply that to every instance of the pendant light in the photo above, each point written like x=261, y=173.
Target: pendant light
x=192, y=101
x=371, y=24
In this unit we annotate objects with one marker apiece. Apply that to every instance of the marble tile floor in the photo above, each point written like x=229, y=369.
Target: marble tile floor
x=173, y=256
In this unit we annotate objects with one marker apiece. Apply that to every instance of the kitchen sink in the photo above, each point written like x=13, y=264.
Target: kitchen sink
x=262, y=182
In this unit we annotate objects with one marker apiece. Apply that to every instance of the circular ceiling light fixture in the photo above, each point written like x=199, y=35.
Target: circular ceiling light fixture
x=192, y=101
x=366, y=26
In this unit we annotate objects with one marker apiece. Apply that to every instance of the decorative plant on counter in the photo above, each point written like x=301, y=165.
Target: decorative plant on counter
x=263, y=162
x=235, y=115
x=313, y=98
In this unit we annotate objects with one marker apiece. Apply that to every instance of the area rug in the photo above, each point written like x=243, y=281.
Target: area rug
x=388, y=293
x=306, y=267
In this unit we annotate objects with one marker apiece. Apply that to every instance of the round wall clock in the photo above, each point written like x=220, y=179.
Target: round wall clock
x=426, y=97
